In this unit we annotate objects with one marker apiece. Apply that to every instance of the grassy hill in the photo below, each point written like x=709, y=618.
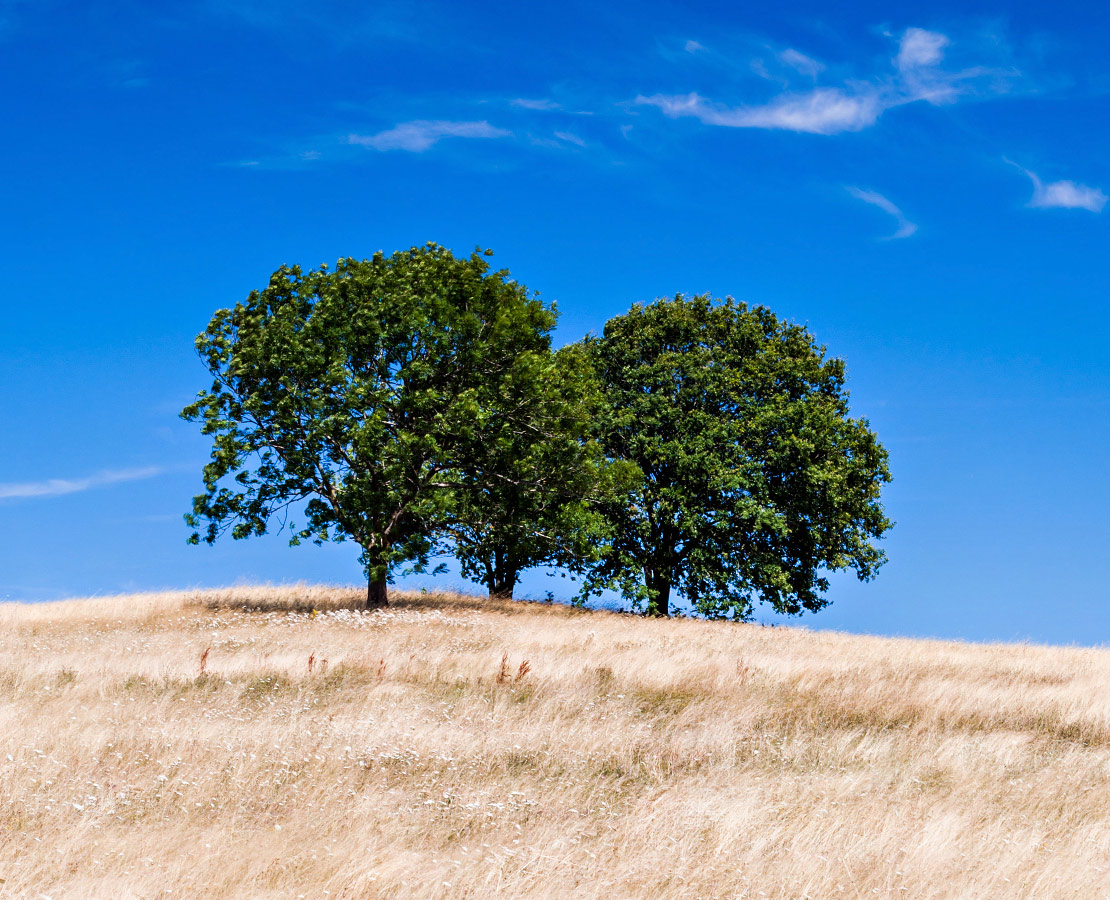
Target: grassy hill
x=451, y=747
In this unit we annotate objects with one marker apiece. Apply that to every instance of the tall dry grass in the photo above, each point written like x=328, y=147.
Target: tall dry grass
x=451, y=747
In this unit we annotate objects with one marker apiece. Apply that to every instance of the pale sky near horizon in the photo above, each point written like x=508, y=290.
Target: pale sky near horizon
x=925, y=190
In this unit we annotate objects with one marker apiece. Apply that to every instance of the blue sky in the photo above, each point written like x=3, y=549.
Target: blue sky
x=924, y=189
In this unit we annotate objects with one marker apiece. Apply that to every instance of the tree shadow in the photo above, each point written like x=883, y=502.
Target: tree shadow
x=326, y=598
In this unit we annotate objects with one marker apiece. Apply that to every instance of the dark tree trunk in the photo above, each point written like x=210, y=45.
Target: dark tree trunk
x=501, y=577
x=659, y=603
x=502, y=588
x=376, y=593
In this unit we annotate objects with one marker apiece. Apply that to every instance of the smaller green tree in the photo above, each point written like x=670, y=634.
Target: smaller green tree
x=355, y=396
x=755, y=479
x=527, y=493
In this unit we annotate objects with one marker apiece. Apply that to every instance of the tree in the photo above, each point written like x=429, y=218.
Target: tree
x=527, y=495
x=755, y=480
x=354, y=395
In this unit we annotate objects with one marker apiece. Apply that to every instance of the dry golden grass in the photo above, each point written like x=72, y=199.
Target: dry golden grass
x=628, y=759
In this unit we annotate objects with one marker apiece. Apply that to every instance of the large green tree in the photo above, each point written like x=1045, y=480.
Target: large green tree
x=755, y=479
x=353, y=397
x=529, y=490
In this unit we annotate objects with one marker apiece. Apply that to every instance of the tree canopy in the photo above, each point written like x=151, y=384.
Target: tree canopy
x=755, y=479
x=356, y=397
x=412, y=404
x=528, y=490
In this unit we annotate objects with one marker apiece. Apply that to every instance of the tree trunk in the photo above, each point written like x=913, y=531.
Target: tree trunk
x=659, y=604
x=501, y=578
x=376, y=593
x=501, y=588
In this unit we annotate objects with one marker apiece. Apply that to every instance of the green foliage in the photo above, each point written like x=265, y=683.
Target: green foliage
x=528, y=490
x=755, y=480
x=358, y=396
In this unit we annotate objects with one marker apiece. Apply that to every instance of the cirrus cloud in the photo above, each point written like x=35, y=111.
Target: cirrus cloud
x=821, y=111
x=55, y=487
x=802, y=63
x=421, y=135
x=1062, y=194
x=874, y=198
x=917, y=75
x=543, y=105
x=919, y=47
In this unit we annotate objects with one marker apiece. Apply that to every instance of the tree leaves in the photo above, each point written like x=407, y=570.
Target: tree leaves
x=754, y=478
x=530, y=487
x=412, y=404
x=356, y=396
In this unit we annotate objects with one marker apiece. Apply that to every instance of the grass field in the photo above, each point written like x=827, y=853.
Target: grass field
x=451, y=747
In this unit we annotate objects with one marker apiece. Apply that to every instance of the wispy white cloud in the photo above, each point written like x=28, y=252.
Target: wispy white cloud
x=760, y=68
x=418, y=136
x=542, y=104
x=821, y=111
x=905, y=226
x=557, y=140
x=1069, y=195
x=917, y=75
x=804, y=64
x=693, y=46
x=570, y=138
x=546, y=105
x=919, y=47
x=920, y=54
x=1063, y=194
x=55, y=487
